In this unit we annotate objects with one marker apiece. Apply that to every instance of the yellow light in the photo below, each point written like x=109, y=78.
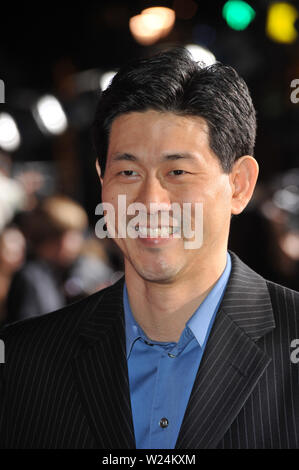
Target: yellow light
x=280, y=26
x=152, y=24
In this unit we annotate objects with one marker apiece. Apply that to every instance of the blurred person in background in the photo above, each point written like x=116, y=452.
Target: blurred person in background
x=56, y=271
x=12, y=255
x=266, y=235
x=12, y=242
x=13, y=197
x=281, y=210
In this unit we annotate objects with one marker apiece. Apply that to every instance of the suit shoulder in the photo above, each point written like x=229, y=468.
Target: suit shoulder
x=280, y=290
x=284, y=299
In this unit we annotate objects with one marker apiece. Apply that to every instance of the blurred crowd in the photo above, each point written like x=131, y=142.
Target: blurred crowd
x=50, y=256
x=266, y=235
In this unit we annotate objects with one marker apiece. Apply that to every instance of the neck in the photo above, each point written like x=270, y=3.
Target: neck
x=163, y=309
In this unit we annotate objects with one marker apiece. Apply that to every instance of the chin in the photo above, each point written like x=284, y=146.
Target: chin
x=163, y=274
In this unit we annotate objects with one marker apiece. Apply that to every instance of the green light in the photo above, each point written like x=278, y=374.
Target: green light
x=238, y=14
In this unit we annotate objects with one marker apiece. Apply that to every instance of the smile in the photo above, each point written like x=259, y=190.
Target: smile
x=156, y=232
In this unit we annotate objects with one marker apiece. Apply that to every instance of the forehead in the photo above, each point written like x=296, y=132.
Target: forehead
x=157, y=132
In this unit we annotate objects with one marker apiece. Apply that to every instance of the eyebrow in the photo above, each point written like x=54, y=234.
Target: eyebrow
x=173, y=156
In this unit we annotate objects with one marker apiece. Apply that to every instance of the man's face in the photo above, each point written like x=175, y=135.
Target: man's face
x=164, y=158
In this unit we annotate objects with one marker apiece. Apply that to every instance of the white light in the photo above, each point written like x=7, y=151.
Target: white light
x=200, y=54
x=106, y=79
x=50, y=116
x=10, y=138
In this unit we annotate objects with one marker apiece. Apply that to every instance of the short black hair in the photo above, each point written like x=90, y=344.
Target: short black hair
x=172, y=81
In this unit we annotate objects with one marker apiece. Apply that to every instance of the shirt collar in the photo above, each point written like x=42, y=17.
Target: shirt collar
x=199, y=324
x=132, y=328
x=201, y=321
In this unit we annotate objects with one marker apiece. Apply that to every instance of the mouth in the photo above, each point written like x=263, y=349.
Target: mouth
x=158, y=232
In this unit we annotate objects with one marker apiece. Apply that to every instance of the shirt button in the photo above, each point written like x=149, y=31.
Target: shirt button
x=171, y=355
x=163, y=422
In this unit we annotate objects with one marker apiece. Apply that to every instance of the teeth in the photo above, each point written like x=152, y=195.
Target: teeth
x=156, y=232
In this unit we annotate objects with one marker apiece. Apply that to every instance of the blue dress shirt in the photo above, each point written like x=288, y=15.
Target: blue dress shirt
x=161, y=375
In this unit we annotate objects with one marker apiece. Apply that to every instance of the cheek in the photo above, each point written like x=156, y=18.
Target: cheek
x=112, y=191
x=216, y=203
x=109, y=195
x=106, y=193
x=218, y=211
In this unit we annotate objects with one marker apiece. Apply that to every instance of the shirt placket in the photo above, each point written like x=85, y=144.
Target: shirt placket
x=163, y=407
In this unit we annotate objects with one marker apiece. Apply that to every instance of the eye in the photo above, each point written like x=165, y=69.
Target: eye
x=178, y=172
x=128, y=173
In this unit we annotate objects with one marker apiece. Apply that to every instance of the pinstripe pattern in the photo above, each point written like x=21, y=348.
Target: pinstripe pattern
x=65, y=381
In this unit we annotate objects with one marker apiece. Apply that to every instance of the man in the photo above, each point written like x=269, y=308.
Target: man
x=55, y=232
x=191, y=348
x=60, y=266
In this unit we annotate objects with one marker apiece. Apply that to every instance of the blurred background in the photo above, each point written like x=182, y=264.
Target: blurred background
x=54, y=62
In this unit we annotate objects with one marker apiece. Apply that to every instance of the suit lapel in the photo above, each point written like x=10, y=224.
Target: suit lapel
x=232, y=363
x=101, y=373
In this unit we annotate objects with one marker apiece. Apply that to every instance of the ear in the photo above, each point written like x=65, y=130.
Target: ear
x=243, y=179
x=99, y=171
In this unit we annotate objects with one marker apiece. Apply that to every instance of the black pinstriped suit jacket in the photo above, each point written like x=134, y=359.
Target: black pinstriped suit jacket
x=65, y=383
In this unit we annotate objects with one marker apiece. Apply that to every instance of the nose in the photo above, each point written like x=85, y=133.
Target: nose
x=153, y=195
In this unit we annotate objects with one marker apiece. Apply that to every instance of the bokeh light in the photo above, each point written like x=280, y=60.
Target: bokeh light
x=238, y=14
x=200, y=54
x=50, y=116
x=280, y=25
x=152, y=24
x=106, y=79
x=10, y=138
